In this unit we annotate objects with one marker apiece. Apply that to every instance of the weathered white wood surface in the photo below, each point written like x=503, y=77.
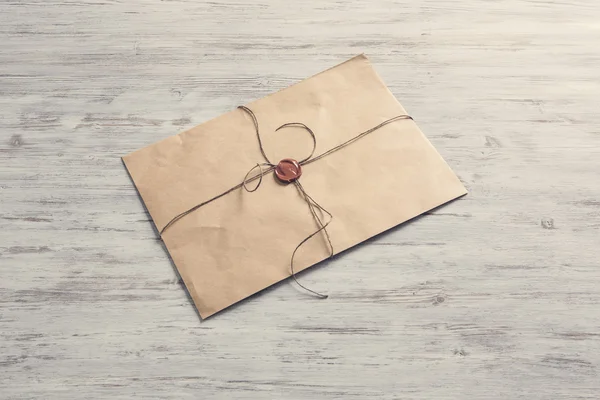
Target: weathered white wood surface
x=494, y=296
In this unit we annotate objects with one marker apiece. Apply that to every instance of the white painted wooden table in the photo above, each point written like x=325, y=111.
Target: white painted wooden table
x=496, y=296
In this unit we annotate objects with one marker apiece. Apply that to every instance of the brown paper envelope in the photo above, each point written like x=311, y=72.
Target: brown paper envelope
x=242, y=242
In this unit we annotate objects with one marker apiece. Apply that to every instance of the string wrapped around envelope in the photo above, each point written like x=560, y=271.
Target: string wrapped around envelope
x=289, y=171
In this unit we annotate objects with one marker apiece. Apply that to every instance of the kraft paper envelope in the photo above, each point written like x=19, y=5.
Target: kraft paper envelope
x=242, y=242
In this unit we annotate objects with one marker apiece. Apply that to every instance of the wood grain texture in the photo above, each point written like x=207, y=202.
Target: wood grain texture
x=494, y=296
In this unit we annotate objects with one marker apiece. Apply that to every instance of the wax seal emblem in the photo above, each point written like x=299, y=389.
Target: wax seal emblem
x=288, y=170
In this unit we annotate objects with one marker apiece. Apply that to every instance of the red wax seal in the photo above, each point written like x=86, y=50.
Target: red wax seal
x=288, y=170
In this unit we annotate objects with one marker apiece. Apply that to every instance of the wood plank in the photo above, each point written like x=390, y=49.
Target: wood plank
x=493, y=296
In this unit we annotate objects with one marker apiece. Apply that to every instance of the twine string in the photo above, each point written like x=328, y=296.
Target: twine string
x=314, y=207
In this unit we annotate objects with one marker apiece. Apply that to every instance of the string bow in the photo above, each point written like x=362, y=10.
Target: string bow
x=295, y=171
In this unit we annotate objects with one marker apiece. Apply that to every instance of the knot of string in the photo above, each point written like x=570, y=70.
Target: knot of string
x=317, y=211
